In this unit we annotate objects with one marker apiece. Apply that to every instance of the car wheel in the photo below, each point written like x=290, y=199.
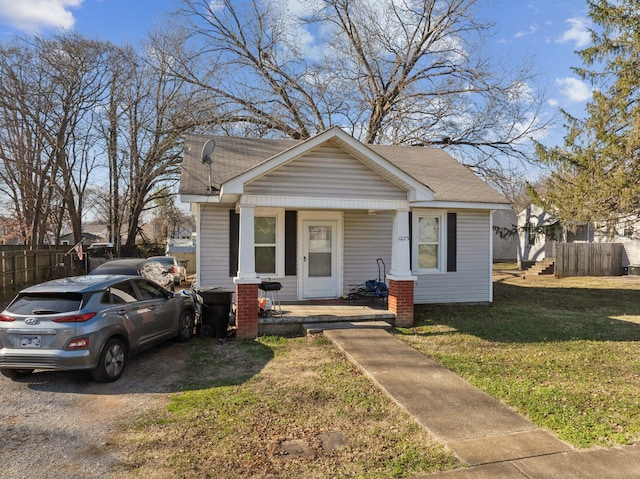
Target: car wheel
x=16, y=373
x=113, y=359
x=185, y=326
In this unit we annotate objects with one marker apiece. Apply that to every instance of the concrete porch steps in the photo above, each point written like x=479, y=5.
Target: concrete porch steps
x=546, y=266
x=300, y=318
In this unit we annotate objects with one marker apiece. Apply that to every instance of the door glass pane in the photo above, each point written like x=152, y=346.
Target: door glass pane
x=320, y=247
x=319, y=264
x=319, y=238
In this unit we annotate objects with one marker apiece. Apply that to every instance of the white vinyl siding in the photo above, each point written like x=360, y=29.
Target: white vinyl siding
x=327, y=172
x=366, y=238
x=471, y=282
x=214, y=248
x=214, y=254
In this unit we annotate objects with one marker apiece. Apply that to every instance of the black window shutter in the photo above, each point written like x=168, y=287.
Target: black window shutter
x=234, y=242
x=411, y=239
x=290, y=242
x=452, y=241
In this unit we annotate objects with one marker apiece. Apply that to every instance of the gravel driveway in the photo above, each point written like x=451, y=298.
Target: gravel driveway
x=58, y=424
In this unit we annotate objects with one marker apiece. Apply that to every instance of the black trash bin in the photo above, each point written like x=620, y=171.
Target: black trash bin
x=216, y=309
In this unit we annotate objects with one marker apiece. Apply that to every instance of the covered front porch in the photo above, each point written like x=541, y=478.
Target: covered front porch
x=314, y=316
x=319, y=268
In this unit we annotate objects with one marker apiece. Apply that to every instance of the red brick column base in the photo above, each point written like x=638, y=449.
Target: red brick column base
x=246, y=311
x=400, y=302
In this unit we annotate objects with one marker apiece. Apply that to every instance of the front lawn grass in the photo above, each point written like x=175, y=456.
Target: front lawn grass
x=563, y=352
x=243, y=401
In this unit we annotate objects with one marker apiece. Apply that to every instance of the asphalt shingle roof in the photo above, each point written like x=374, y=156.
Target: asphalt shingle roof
x=449, y=179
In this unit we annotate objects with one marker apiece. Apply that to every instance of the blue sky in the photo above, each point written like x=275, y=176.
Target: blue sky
x=548, y=31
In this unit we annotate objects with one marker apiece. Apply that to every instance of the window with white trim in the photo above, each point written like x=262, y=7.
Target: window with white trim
x=428, y=242
x=269, y=242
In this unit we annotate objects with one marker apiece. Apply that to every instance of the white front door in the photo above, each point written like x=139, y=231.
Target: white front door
x=321, y=270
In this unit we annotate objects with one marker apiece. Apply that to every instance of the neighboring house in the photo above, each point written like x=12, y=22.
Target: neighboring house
x=505, y=239
x=184, y=234
x=184, y=250
x=100, y=230
x=175, y=245
x=87, y=239
x=315, y=215
x=538, y=230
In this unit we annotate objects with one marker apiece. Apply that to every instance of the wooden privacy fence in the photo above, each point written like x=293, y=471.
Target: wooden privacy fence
x=588, y=259
x=22, y=267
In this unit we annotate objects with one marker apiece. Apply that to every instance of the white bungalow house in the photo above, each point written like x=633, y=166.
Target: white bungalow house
x=315, y=215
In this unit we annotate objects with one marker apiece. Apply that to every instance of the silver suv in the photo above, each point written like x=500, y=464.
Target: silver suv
x=89, y=323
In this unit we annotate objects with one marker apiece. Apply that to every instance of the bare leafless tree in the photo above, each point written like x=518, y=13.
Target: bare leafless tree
x=406, y=72
x=156, y=111
x=27, y=168
x=81, y=116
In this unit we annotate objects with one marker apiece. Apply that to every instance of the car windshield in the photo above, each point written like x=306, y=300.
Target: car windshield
x=40, y=303
x=164, y=260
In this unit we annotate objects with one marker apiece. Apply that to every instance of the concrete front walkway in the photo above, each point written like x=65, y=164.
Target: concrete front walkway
x=492, y=440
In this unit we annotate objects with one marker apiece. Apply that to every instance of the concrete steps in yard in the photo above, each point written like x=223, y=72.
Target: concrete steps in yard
x=546, y=266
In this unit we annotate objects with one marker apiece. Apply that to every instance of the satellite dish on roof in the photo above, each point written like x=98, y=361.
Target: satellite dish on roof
x=207, y=150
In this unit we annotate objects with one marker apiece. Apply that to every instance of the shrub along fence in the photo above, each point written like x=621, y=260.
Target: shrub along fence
x=588, y=259
x=21, y=267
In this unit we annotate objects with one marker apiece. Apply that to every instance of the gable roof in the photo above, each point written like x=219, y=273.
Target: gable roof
x=438, y=173
x=447, y=177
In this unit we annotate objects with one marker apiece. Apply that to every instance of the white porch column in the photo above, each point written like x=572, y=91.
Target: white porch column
x=247, y=280
x=246, y=249
x=400, y=251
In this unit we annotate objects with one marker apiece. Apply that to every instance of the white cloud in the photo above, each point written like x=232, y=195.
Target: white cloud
x=575, y=90
x=34, y=15
x=301, y=8
x=532, y=29
x=578, y=33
